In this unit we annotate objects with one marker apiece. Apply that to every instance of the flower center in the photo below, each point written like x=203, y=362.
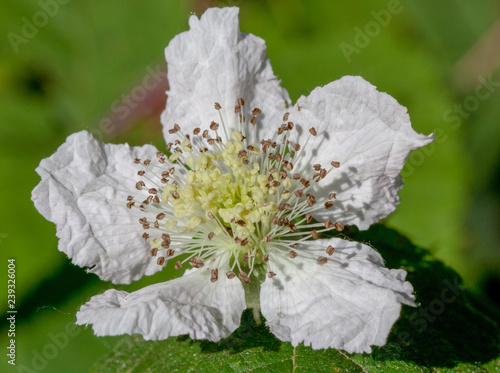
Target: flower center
x=237, y=202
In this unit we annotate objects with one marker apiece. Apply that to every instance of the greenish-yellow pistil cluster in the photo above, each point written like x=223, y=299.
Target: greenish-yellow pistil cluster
x=234, y=205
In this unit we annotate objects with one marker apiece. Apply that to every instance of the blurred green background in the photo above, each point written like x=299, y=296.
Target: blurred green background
x=78, y=63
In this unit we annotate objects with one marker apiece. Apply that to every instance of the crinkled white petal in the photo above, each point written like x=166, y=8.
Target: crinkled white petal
x=84, y=190
x=215, y=62
x=348, y=303
x=191, y=304
x=370, y=134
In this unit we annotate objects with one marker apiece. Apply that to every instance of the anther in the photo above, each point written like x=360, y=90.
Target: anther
x=336, y=164
x=313, y=132
x=210, y=236
x=244, y=277
x=328, y=204
x=241, y=102
x=159, y=154
x=153, y=252
x=214, y=275
x=296, y=147
x=156, y=199
x=139, y=185
x=204, y=134
x=314, y=234
x=130, y=204
x=256, y=111
x=284, y=206
x=285, y=117
x=170, y=252
x=160, y=216
x=217, y=106
x=328, y=224
x=271, y=274
x=322, y=259
x=178, y=265
x=317, y=167
x=296, y=176
x=332, y=196
x=308, y=217
x=311, y=200
x=214, y=126
x=237, y=108
x=152, y=191
x=292, y=254
x=339, y=226
x=268, y=238
x=137, y=161
x=147, y=162
x=230, y=275
x=160, y=260
x=196, y=262
x=196, y=131
x=265, y=258
x=141, y=173
x=145, y=236
x=175, y=129
x=156, y=224
x=330, y=250
x=299, y=193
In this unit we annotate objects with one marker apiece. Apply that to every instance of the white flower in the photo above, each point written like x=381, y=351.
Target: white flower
x=242, y=198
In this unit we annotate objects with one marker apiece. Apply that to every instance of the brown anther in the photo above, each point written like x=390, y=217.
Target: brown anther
x=147, y=162
x=311, y=200
x=290, y=126
x=153, y=252
x=322, y=173
x=159, y=154
x=175, y=129
x=214, y=275
x=329, y=224
x=296, y=147
x=273, y=169
x=270, y=177
x=130, y=204
x=196, y=131
x=145, y=236
x=237, y=108
x=317, y=166
x=178, y=265
x=214, y=126
x=275, y=184
x=148, y=200
x=242, y=153
x=289, y=166
x=278, y=157
x=170, y=252
x=292, y=227
x=256, y=111
x=322, y=259
x=268, y=238
x=141, y=173
x=244, y=277
x=271, y=274
x=265, y=258
x=137, y=161
x=210, y=236
x=165, y=237
x=165, y=244
x=241, y=102
x=283, y=174
x=244, y=242
x=139, y=185
x=330, y=250
x=152, y=191
x=336, y=164
x=164, y=181
x=160, y=216
x=285, y=117
x=130, y=198
x=169, y=146
x=160, y=260
x=314, y=234
x=308, y=217
x=161, y=160
x=230, y=275
x=143, y=220
x=196, y=262
x=204, y=134
x=245, y=258
x=241, y=223
x=284, y=206
x=296, y=176
x=156, y=224
x=217, y=106
x=328, y=204
x=339, y=226
x=299, y=193
x=292, y=254
x=156, y=199
x=313, y=132
x=292, y=246
x=175, y=195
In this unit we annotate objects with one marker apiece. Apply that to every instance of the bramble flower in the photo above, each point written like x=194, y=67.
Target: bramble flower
x=242, y=196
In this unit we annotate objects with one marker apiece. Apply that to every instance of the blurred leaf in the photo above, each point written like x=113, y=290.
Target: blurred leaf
x=447, y=331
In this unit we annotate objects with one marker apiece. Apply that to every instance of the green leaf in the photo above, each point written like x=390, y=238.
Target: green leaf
x=449, y=331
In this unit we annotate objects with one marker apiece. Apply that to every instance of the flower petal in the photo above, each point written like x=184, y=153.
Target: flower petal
x=370, y=134
x=84, y=191
x=215, y=62
x=350, y=302
x=191, y=304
